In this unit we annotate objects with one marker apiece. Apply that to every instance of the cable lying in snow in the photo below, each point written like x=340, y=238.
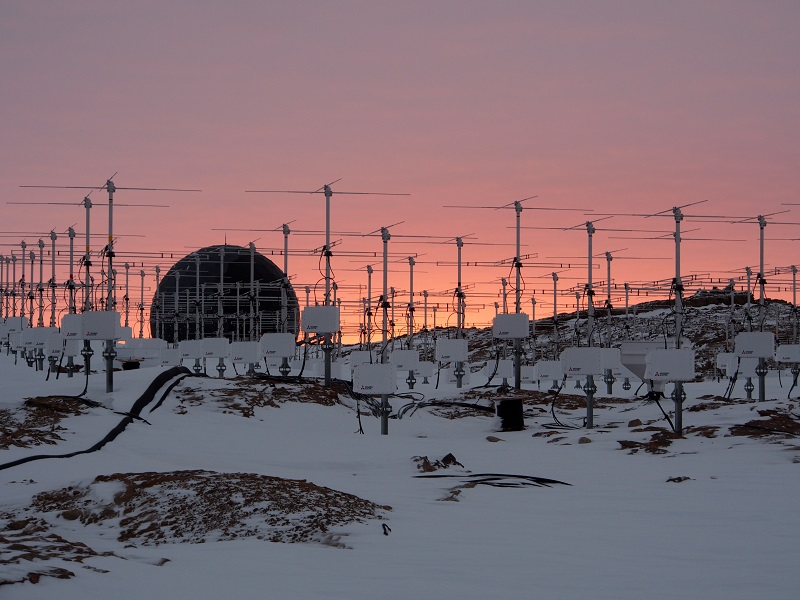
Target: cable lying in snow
x=498, y=479
x=143, y=400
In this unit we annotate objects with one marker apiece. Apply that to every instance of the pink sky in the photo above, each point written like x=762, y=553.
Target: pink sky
x=612, y=106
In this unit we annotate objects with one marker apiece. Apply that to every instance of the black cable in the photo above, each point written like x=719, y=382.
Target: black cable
x=655, y=396
x=558, y=423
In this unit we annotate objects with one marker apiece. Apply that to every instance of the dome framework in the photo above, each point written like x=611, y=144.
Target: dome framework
x=223, y=291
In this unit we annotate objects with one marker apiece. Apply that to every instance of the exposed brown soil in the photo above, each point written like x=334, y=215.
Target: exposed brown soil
x=776, y=424
x=37, y=422
x=174, y=507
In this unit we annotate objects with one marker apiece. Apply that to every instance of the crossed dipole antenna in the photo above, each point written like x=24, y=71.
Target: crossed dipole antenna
x=328, y=192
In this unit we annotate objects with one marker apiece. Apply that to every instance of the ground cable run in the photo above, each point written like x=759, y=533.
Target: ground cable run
x=146, y=398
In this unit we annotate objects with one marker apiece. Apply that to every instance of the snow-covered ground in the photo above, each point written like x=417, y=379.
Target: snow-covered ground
x=707, y=515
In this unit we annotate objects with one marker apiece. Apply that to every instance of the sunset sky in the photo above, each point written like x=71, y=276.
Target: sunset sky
x=606, y=106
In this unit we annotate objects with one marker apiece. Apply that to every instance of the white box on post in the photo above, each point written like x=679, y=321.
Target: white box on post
x=191, y=349
x=280, y=345
x=548, y=369
x=215, y=347
x=374, y=379
x=580, y=362
x=405, y=360
x=244, y=352
x=528, y=373
x=16, y=324
x=100, y=325
x=169, y=357
x=755, y=344
x=505, y=368
x=72, y=326
x=54, y=345
x=321, y=319
x=513, y=326
x=451, y=350
x=788, y=353
x=670, y=364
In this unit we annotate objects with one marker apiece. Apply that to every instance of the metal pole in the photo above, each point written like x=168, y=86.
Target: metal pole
x=533, y=326
x=40, y=286
x=127, y=298
x=590, y=387
x=3, y=294
x=410, y=301
x=794, y=303
x=762, y=365
x=459, y=365
x=141, y=308
x=23, y=244
x=556, y=339
x=369, y=308
x=71, y=282
x=14, y=284
x=517, y=301
x=87, y=259
x=252, y=295
x=285, y=286
x=159, y=306
x=678, y=391
x=391, y=320
x=53, y=238
x=384, y=356
x=198, y=325
x=425, y=327
x=609, y=375
x=326, y=342
x=31, y=294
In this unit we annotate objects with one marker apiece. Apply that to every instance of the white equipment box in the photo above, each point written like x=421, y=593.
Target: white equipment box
x=505, y=368
x=191, y=349
x=425, y=368
x=321, y=319
x=215, y=347
x=314, y=367
x=28, y=339
x=580, y=362
x=374, y=379
x=73, y=347
x=100, y=325
x=72, y=326
x=528, y=373
x=672, y=364
x=169, y=357
x=15, y=341
x=747, y=367
x=727, y=362
x=451, y=350
x=404, y=360
x=54, y=345
x=359, y=357
x=755, y=344
x=548, y=369
x=788, y=353
x=280, y=345
x=244, y=352
x=16, y=324
x=514, y=326
x=42, y=335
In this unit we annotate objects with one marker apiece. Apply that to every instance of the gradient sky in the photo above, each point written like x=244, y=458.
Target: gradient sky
x=606, y=105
